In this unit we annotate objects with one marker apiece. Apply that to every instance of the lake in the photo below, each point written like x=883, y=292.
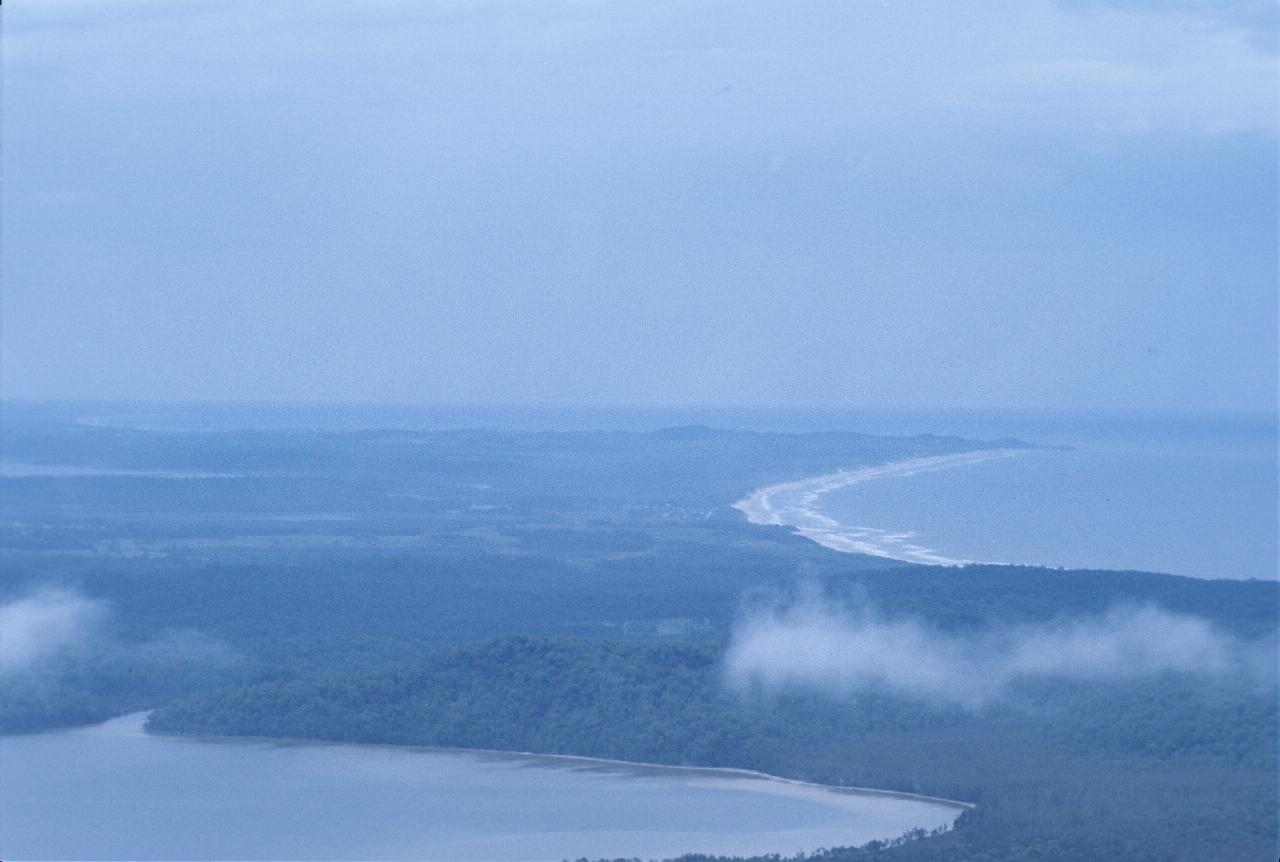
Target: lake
x=112, y=791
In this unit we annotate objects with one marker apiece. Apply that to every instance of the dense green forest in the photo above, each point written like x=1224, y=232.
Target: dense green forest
x=1165, y=769
x=576, y=594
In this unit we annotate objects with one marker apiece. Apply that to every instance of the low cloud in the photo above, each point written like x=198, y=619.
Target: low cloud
x=843, y=651
x=46, y=624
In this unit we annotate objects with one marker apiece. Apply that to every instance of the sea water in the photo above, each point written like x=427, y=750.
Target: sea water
x=1193, y=496
x=1187, y=494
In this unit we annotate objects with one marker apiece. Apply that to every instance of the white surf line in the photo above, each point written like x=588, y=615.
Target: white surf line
x=794, y=504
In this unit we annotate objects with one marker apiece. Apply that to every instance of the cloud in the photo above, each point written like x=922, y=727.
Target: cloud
x=814, y=644
x=45, y=624
x=1258, y=20
x=1073, y=68
x=634, y=179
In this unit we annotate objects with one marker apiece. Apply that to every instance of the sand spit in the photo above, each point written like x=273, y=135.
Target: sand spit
x=796, y=505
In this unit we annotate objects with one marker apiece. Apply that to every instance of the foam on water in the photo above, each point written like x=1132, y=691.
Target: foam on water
x=1190, y=498
x=796, y=505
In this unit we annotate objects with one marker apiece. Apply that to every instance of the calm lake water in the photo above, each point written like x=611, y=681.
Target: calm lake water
x=113, y=792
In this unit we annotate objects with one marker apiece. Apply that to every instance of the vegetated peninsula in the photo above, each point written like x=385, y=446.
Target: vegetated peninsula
x=595, y=594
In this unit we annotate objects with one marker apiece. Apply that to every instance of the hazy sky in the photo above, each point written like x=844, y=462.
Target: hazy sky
x=857, y=203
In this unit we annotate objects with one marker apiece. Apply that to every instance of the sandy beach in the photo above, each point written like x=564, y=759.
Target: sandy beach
x=795, y=505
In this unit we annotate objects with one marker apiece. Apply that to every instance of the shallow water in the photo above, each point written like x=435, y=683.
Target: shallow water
x=114, y=792
x=1196, y=504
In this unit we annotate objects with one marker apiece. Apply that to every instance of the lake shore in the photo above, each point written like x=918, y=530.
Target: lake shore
x=112, y=790
x=719, y=775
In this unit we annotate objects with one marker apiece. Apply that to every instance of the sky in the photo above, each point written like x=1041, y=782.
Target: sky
x=864, y=204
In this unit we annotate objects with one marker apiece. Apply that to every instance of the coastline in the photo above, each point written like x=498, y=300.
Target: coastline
x=794, y=504
x=135, y=724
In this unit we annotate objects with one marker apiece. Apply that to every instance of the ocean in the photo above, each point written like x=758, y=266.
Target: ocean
x=1185, y=494
x=1193, y=496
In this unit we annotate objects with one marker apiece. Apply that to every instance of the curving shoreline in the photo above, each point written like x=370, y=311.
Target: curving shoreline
x=795, y=504
x=135, y=724
x=281, y=798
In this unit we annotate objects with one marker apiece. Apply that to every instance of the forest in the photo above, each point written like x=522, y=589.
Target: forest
x=577, y=594
x=1072, y=770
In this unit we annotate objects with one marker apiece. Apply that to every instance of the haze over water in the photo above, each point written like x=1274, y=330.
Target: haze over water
x=1188, y=494
x=1191, y=497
